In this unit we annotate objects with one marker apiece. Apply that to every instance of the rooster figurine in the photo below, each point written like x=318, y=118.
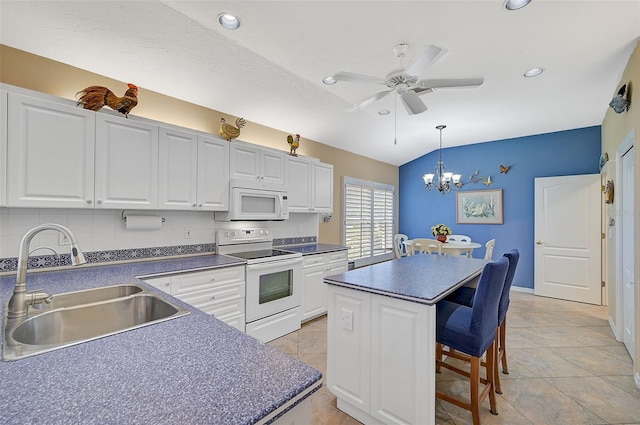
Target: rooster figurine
x=294, y=144
x=230, y=132
x=95, y=97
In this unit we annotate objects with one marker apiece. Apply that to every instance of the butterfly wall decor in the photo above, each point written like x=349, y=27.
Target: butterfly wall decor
x=504, y=169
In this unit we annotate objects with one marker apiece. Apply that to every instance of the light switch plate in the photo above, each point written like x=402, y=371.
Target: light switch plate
x=347, y=319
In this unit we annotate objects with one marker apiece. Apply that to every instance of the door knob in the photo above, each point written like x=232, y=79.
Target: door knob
x=539, y=242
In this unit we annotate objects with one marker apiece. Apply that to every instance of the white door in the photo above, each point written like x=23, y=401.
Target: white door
x=178, y=153
x=567, y=236
x=213, y=174
x=628, y=252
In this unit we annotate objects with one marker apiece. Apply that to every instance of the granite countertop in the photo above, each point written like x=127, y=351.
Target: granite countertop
x=191, y=369
x=315, y=248
x=424, y=279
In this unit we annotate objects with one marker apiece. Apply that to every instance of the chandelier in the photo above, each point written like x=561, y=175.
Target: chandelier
x=441, y=180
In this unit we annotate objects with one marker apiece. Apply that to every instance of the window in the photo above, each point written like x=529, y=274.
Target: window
x=368, y=224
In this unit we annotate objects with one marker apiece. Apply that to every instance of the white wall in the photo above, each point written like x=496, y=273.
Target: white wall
x=101, y=230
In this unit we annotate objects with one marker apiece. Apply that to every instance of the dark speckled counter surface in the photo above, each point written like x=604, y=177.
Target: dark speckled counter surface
x=193, y=369
x=425, y=279
x=315, y=248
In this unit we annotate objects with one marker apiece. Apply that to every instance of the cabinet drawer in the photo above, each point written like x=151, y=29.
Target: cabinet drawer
x=227, y=309
x=337, y=256
x=207, y=279
x=312, y=260
x=209, y=297
x=161, y=283
x=237, y=321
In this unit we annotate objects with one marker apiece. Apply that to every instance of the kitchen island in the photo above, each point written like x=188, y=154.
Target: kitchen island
x=381, y=336
x=188, y=370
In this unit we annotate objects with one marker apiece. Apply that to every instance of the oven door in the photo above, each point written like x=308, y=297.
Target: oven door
x=273, y=287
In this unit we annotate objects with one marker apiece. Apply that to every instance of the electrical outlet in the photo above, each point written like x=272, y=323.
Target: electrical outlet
x=187, y=233
x=347, y=320
x=62, y=239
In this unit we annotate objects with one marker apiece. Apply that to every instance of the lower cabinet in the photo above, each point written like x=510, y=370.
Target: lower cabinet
x=381, y=357
x=219, y=292
x=314, y=291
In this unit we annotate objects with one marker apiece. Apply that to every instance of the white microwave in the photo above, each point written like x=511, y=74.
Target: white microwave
x=250, y=202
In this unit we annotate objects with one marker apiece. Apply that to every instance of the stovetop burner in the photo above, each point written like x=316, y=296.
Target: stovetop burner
x=263, y=253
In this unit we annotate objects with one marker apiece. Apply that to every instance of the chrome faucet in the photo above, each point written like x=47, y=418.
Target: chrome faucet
x=21, y=299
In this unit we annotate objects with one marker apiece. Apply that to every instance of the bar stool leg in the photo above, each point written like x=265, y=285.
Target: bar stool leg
x=496, y=369
x=503, y=346
x=491, y=362
x=475, y=384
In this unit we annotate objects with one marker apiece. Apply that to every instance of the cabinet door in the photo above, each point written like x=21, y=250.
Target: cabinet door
x=349, y=341
x=314, y=296
x=50, y=150
x=299, y=185
x=244, y=161
x=322, y=187
x=273, y=167
x=400, y=394
x=213, y=174
x=178, y=156
x=126, y=163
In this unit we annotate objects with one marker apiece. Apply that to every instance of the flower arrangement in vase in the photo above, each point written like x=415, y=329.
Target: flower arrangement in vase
x=440, y=231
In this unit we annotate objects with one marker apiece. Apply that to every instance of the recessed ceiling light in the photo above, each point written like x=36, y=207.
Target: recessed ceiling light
x=384, y=112
x=329, y=80
x=533, y=72
x=229, y=21
x=515, y=4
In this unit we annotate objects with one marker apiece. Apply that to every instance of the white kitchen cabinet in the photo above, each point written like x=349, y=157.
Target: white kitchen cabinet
x=379, y=359
x=126, y=167
x=252, y=162
x=310, y=186
x=193, y=171
x=219, y=292
x=3, y=148
x=213, y=174
x=314, y=291
x=50, y=154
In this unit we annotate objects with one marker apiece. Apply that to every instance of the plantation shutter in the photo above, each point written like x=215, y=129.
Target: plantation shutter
x=368, y=219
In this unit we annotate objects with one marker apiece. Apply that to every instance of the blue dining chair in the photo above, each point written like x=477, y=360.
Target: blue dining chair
x=471, y=331
x=465, y=296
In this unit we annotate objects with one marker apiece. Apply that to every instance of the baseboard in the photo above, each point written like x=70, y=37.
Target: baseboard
x=521, y=289
x=614, y=329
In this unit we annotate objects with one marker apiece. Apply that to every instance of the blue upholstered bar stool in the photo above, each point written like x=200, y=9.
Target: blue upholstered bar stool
x=465, y=296
x=472, y=331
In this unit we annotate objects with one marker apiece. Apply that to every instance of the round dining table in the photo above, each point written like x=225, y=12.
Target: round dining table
x=454, y=247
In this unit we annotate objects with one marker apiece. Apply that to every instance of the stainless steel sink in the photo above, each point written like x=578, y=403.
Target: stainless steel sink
x=83, y=316
x=70, y=299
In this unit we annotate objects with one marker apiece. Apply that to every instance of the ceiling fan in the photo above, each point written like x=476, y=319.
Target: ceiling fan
x=405, y=81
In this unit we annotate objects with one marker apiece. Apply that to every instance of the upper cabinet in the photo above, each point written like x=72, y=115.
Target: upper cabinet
x=252, y=162
x=194, y=171
x=126, y=167
x=310, y=186
x=50, y=150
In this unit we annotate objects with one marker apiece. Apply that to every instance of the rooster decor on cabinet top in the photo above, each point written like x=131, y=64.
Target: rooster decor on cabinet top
x=95, y=97
x=230, y=132
x=293, y=144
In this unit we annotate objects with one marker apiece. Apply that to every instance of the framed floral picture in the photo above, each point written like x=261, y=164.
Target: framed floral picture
x=479, y=207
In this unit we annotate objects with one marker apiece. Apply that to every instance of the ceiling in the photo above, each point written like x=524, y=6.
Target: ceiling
x=270, y=70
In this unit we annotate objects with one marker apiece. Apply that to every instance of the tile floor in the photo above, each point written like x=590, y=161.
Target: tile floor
x=565, y=368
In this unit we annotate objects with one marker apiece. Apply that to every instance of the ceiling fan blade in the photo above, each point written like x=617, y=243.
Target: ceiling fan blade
x=367, y=101
x=357, y=78
x=412, y=103
x=450, y=83
x=425, y=60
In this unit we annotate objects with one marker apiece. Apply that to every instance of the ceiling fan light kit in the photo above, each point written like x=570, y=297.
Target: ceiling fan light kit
x=407, y=82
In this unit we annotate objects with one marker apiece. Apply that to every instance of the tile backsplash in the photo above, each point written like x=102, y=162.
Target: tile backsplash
x=103, y=236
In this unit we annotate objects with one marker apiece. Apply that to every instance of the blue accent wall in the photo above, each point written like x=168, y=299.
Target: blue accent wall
x=553, y=154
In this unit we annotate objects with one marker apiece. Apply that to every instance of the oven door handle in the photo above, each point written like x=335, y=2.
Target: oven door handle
x=275, y=263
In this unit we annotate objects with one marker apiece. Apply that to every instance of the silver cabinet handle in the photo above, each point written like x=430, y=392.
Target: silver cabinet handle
x=99, y=201
x=539, y=242
x=89, y=201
